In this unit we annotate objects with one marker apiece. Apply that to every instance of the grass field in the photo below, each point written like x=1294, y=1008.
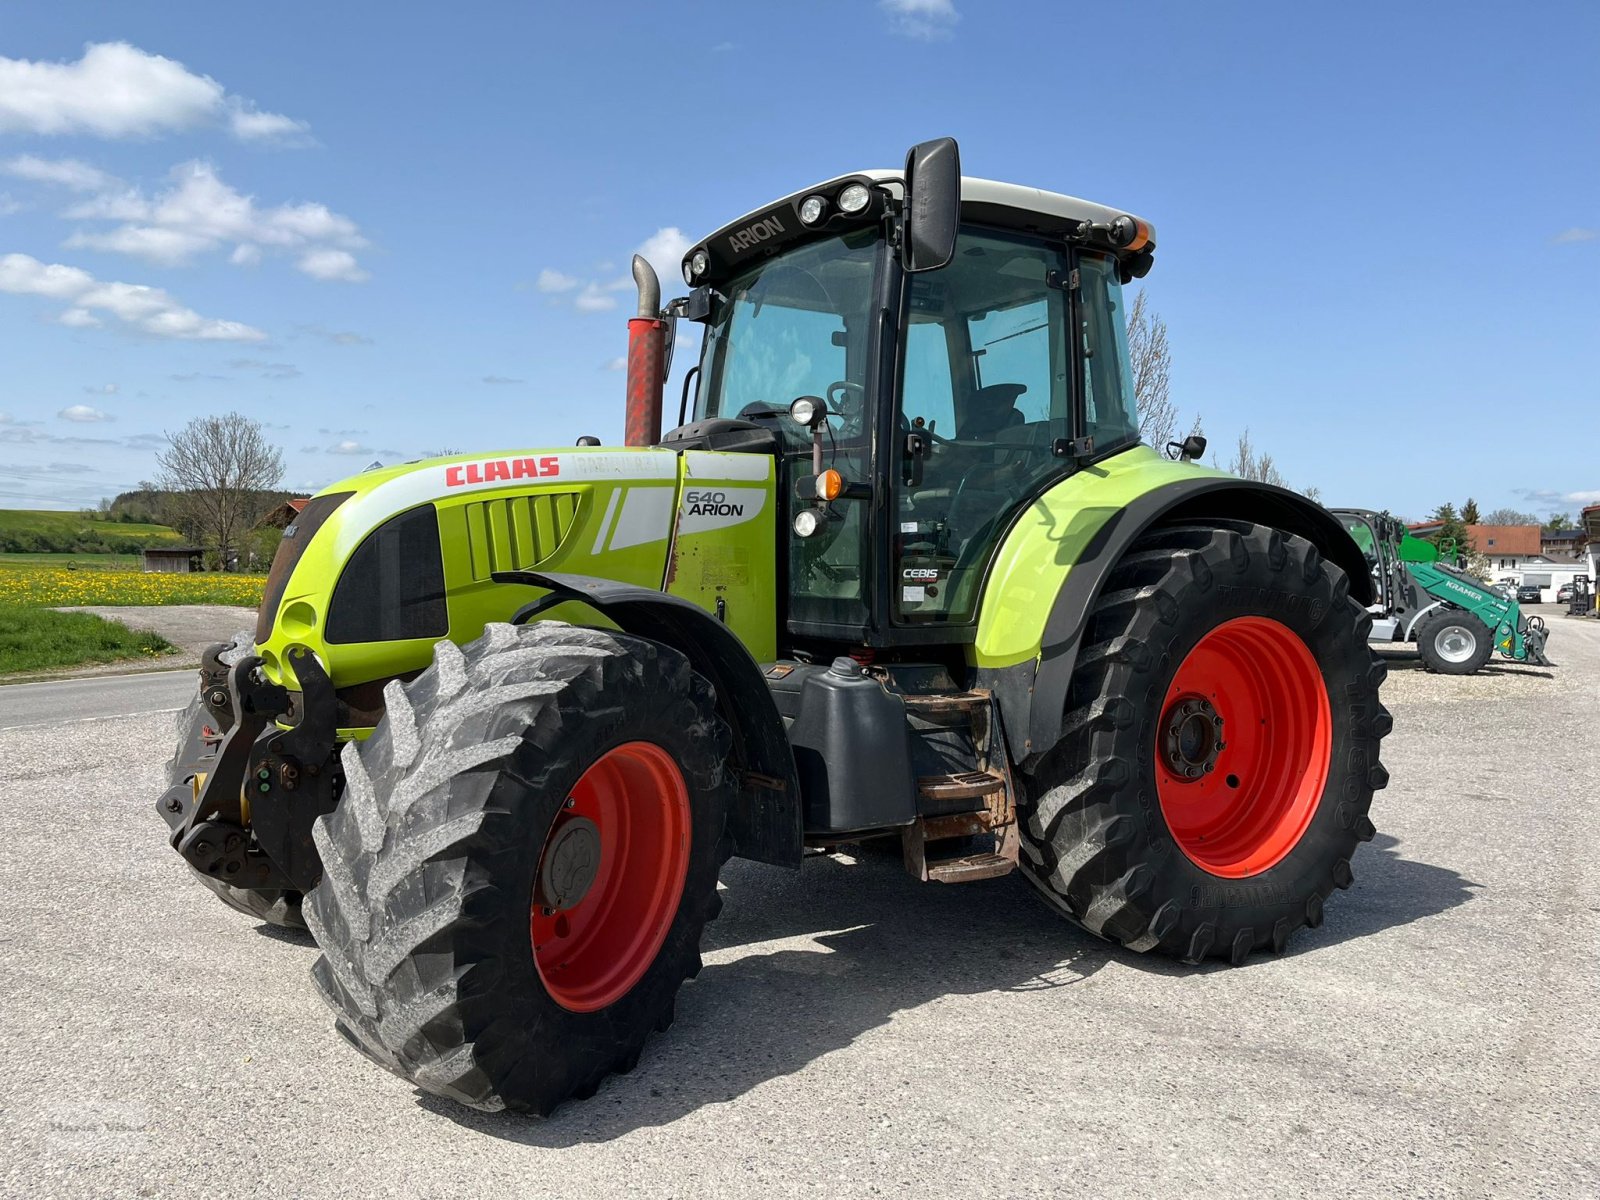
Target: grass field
x=33, y=639
x=67, y=528
x=35, y=585
x=75, y=562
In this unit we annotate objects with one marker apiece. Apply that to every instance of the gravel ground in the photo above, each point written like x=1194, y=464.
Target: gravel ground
x=855, y=1033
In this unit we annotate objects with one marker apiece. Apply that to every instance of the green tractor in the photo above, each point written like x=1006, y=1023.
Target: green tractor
x=1456, y=620
x=903, y=570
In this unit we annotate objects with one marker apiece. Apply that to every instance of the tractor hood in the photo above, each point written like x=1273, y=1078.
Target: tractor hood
x=382, y=565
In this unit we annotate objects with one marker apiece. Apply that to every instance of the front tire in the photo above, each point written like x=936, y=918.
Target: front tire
x=1220, y=750
x=516, y=879
x=1453, y=642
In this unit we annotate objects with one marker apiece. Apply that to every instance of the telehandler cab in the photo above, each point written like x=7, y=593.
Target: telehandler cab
x=903, y=569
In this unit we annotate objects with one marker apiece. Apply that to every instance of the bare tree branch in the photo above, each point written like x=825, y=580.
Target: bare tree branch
x=216, y=470
x=1151, y=361
x=1247, y=464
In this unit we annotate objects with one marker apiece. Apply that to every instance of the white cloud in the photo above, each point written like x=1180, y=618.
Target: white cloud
x=249, y=125
x=63, y=172
x=664, y=250
x=104, y=389
x=163, y=247
x=117, y=90
x=267, y=370
x=501, y=379
x=1576, y=234
x=555, y=281
x=83, y=413
x=332, y=265
x=349, y=447
x=147, y=309
x=1581, y=497
x=620, y=363
x=339, y=337
x=8, y=205
x=200, y=213
x=78, y=318
x=594, y=298
x=922, y=20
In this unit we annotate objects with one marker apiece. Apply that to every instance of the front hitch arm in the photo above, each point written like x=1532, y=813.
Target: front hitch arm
x=207, y=822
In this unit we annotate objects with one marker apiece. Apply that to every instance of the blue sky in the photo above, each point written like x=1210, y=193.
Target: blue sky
x=387, y=228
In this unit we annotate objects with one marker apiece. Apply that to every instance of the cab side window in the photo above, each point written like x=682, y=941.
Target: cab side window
x=1112, y=419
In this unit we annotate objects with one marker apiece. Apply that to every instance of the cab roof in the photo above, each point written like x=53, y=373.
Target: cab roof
x=1008, y=205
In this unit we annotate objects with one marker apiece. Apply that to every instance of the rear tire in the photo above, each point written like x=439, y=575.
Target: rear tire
x=453, y=953
x=1111, y=836
x=275, y=906
x=1453, y=642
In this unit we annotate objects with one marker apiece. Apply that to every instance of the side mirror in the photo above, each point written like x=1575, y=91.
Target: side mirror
x=933, y=205
x=671, y=336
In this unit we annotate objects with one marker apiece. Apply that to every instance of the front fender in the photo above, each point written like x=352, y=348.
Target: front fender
x=767, y=826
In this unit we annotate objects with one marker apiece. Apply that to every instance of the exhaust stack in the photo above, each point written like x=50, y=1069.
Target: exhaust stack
x=647, y=343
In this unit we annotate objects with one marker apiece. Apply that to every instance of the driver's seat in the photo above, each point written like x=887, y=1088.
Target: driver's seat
x=989, y=410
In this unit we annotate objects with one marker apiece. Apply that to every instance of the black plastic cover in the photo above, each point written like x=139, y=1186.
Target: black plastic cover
x=393, y=586
x=851, y=746
x=723, y=433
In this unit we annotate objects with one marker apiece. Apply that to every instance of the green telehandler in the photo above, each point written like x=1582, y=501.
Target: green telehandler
x=1456, y=620
x=902, y=570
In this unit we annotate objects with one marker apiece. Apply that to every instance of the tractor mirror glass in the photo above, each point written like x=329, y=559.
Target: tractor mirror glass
x=668, y=345
x=933, y=205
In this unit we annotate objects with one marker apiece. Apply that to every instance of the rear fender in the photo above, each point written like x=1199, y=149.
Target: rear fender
x=1033, y=694
x=766, y=827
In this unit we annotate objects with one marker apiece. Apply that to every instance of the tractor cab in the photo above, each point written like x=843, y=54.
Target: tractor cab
x=940, y=396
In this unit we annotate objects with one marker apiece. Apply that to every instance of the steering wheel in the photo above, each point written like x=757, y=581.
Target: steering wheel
x=845, y=388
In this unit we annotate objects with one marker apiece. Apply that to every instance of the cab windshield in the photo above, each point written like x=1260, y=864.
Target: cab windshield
x=793, y=325
x=798, y=324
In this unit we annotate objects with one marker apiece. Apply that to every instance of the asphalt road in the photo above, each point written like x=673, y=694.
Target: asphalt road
x=855, y=1033
x=103, y=698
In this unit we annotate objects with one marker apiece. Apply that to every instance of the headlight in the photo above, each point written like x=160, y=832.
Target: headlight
x=805, y=410
x=698, y=262
x=854, y=198
x=811, y=209
x=806, y=522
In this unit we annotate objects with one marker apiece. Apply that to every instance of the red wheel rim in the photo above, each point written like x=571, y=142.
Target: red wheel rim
x=591, y=954
x=1243, y=748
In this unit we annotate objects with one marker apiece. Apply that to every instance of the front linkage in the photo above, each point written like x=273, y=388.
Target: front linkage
x=243, y=815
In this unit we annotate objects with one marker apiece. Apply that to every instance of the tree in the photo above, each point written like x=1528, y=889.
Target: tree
x=1247, y=464
x=1559, y=521
x=217, y=471
x=1509, y=516
x=1469, y=513
x=1151, y=361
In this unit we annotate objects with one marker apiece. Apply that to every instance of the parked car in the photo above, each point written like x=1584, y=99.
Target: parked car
x=1564, y=593
x=1530, y=593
